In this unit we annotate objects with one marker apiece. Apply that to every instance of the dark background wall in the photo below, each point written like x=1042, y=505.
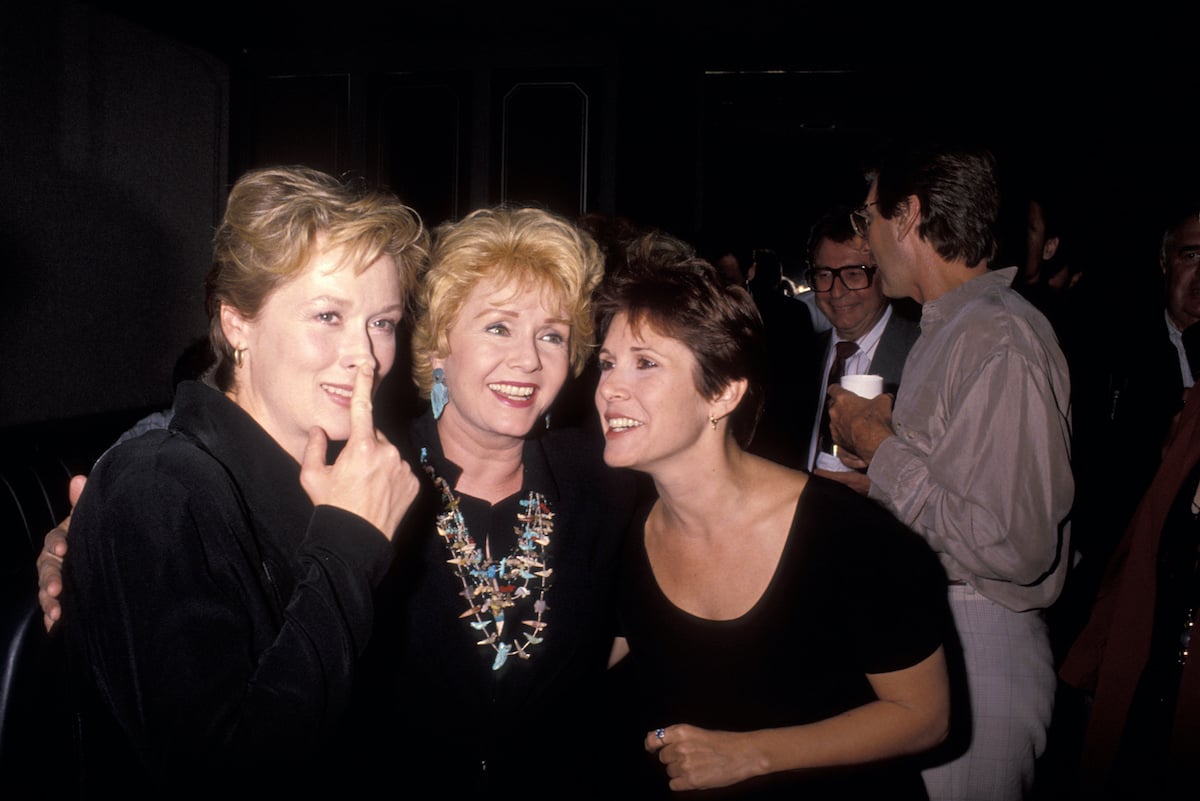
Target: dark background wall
x=121, y=129
x=113, y=157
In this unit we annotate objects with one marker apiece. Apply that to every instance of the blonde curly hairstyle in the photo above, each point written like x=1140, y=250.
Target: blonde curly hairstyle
x=526, y=246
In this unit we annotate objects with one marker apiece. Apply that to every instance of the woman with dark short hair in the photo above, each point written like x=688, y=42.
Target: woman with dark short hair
x=784, y=634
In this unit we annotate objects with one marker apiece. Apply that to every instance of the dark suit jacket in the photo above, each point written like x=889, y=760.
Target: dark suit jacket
x=1110, y=654
x=897, y=340
x=781, y=434
x=1125, y=390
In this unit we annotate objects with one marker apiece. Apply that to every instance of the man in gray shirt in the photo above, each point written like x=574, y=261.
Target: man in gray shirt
x=975, y=456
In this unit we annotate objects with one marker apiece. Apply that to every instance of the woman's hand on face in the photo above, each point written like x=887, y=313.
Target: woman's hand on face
x=702, y=758
x=50, y=560
x=369, y=478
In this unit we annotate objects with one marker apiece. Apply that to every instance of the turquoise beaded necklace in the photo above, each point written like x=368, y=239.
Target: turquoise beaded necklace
x=491, y=586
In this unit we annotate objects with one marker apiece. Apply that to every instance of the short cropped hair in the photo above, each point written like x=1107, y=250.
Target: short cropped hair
x=527, y=246
x=666, y=286
x=959, y=192
x=278, y=218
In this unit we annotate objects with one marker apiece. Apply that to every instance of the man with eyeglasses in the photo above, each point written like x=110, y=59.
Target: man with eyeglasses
x=975, y=455
x=841, y=275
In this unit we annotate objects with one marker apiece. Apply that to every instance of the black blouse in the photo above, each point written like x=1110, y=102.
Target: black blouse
x=855, y=592
x=432, y=700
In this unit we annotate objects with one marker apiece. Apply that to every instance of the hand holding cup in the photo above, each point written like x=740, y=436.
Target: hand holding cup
x=865, y=386
x=859, y=424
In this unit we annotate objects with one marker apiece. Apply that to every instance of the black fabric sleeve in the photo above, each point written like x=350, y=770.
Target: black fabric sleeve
x=202, y=653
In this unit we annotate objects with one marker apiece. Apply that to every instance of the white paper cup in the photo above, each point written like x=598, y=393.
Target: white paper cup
x=868, y=386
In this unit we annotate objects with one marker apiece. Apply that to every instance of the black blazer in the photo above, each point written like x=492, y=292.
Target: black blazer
x=897, y=340
x=212, y=615
x=782, y=434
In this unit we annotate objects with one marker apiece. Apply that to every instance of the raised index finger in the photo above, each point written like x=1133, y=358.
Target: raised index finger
x=362, y=421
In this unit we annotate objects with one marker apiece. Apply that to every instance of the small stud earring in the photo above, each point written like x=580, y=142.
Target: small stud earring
x=712, y=421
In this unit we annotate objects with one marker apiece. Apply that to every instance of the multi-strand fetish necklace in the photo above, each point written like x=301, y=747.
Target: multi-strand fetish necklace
x=492, y=586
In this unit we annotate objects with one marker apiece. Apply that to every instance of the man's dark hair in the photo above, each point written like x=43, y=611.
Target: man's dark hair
x=959, y=192
x=833, y=225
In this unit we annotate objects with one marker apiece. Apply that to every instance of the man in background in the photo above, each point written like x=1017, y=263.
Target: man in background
x=842, y=277
x=975, y=456
x=783, y=431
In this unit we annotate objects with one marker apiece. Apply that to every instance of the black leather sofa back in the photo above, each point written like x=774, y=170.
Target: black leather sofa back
x=36, y=464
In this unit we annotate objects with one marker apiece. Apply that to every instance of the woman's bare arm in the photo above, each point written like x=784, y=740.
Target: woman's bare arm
x=912, y=714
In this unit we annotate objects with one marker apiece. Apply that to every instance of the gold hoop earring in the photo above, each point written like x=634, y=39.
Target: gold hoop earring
x=712, y=421
x=237, y=357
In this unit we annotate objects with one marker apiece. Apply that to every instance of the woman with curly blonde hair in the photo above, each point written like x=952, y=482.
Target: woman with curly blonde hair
x=505, y=615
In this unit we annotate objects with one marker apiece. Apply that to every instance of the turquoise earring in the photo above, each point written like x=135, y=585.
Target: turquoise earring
x=439, y=396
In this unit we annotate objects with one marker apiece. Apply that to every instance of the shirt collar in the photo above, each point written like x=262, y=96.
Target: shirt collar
x=868, y=340
x=949, y=304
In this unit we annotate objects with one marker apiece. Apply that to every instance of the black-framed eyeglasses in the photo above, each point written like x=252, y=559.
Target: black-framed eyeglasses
x=853, y=277
x=861, y=220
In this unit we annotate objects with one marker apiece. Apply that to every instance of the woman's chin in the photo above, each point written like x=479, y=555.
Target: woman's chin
x=614, y=458
x=335, y=430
